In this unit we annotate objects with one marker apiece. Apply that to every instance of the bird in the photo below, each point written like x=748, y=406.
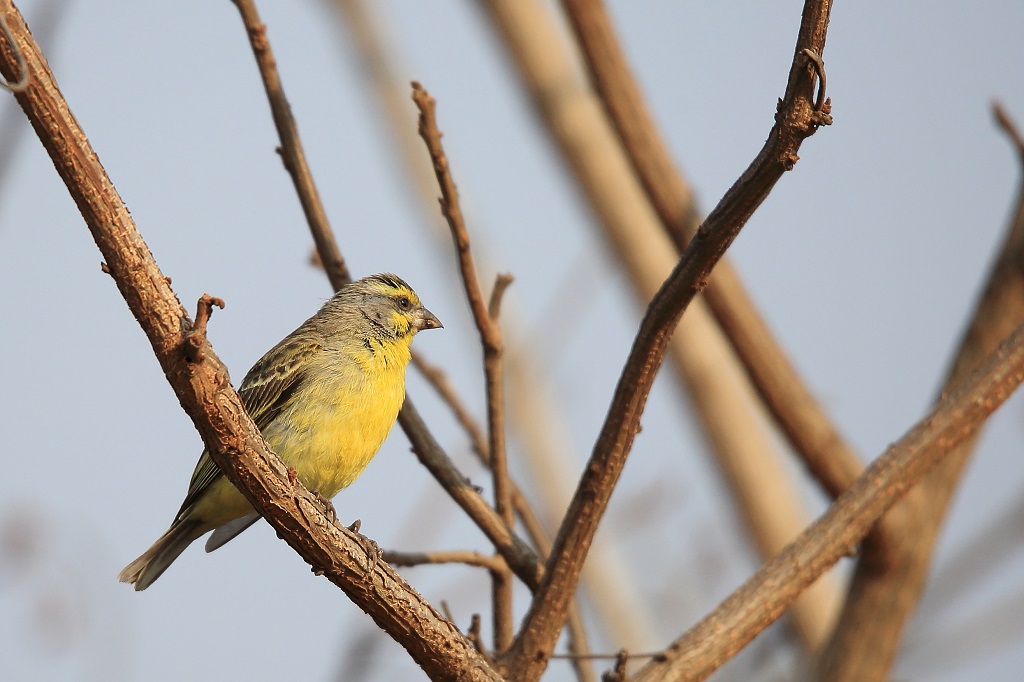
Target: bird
x=324, y=398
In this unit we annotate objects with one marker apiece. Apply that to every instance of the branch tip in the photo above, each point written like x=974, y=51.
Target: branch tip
x=1008, y=126
x=195, y=338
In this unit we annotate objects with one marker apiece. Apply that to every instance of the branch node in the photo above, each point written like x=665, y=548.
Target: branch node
x=619, y=672
x=195, y=338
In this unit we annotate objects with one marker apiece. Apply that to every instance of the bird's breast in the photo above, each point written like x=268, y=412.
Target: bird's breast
x=334, y=428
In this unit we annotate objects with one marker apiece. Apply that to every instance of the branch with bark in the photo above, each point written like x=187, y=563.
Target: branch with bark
x=206, y=395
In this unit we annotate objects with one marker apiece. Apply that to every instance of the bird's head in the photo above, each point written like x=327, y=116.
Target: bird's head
x=391, y=307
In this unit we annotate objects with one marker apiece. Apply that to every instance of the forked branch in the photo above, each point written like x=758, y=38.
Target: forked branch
x=795, y=120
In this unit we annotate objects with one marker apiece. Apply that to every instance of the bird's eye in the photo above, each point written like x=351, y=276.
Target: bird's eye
x=404, y=303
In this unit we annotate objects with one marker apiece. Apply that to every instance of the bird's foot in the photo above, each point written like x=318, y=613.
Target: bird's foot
x=332, y=513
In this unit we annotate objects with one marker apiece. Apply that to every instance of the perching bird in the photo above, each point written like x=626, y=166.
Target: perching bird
x=324, y=399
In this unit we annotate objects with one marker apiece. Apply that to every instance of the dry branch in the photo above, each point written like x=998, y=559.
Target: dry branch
x=485, y=316
x=291, y=150
x=722, y=400
x=796, y=119
x=754, y=606
x=782, y=391
x=519, y=556
x=801, y=417
x=206, y=394
x=467, y=557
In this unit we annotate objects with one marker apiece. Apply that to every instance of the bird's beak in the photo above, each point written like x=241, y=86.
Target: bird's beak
x=424, y=319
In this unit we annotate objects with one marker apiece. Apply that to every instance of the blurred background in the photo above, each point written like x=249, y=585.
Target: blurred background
x=865, y=260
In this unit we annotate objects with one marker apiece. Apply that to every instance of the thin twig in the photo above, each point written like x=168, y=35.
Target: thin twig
x=534, y=528
x=468, y=557
x=438, y=380
x=520, y=557
x=490, y=339
x=794, y=121
x=759, y=602
x=292, y=153
x=205, y=392
x=195, y=338
x=1009, y=127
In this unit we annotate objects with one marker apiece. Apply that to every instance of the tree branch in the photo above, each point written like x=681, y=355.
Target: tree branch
x=796, y=119
x=520, y=557
x=755, y=605
x=490, y=338
x=467, y=557
x=785, y=395
x=704, y=366
x=291, y=150
x=206, y=395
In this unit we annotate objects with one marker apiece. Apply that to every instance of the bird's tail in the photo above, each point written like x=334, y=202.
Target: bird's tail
x=154, y=561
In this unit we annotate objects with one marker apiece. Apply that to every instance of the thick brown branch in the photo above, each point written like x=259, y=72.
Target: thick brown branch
x=889, y=579
x=763, y=598
x=206, y=394
x=292, y=153
x=795, y=120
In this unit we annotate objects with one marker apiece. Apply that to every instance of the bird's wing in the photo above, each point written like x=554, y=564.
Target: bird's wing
x=267, y=389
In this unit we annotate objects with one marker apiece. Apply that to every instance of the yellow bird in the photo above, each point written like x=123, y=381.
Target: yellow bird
x=324, y=399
